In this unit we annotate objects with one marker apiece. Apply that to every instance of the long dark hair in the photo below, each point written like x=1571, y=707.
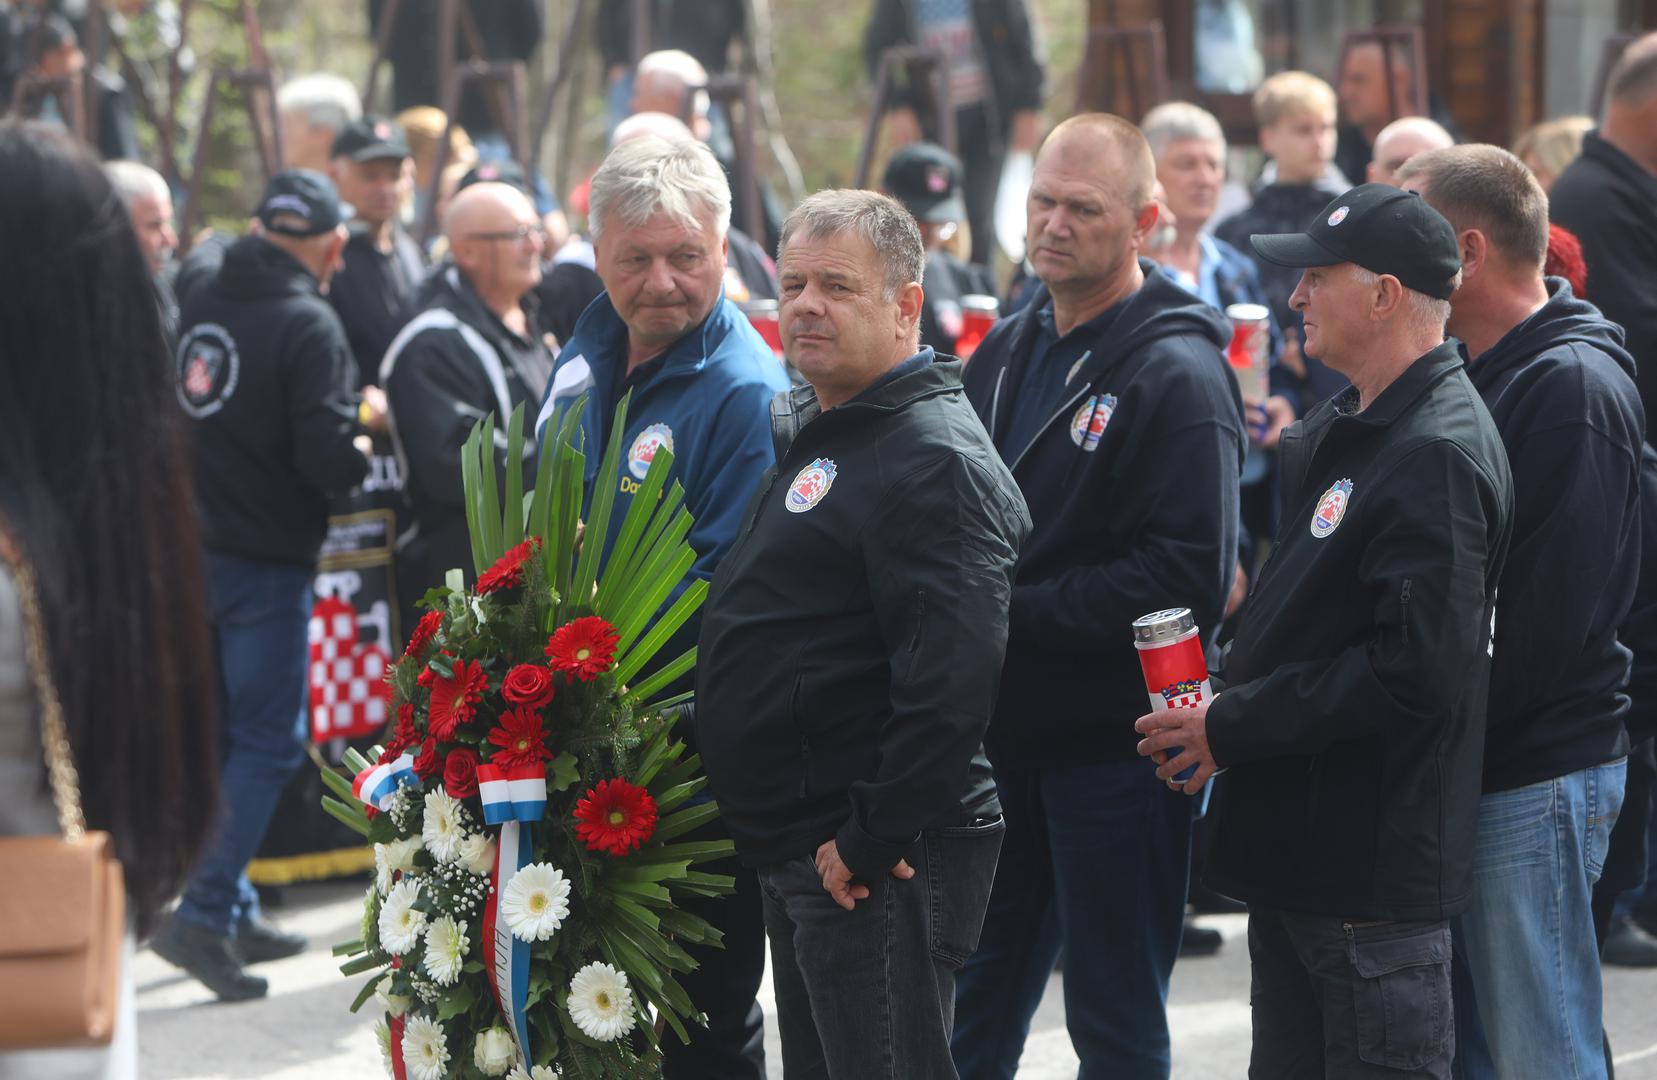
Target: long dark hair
x=94, y=481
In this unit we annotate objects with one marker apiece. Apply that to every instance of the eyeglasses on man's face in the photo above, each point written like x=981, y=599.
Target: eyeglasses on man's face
x=523, y=232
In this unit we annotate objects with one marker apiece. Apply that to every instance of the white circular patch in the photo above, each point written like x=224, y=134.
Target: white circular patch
x=1331, y=508
x=810, y=486
x=1081, y=420
x=643, y=452
x=1339, y=215
x=209, y=367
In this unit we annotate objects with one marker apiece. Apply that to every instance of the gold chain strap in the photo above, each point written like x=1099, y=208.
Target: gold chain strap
x=54, y=735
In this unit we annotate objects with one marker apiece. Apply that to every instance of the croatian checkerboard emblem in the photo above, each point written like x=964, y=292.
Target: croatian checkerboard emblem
x=810, y=486
x=1087, y=427
x=1331, y=508
x=643, y=452
x=1339, y=215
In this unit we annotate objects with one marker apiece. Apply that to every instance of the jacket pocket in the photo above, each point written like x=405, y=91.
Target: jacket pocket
x=1404, y=610
x=918, y=613
x=960, y=868
x=1401, y=995
x=800, y=733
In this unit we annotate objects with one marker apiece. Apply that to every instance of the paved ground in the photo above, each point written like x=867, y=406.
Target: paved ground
x=303, y=1031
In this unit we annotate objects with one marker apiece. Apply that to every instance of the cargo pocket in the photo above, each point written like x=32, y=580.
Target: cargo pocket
x=960, y=868
x=1402, y=993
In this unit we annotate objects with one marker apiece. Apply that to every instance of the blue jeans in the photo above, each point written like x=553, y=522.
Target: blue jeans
x=1095, y=865
x=260, y=612
x=1335, y=998
x=1527, y=978
x=868, y=994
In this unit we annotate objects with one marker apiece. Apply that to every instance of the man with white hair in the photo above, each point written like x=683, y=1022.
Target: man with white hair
x=149, y=204
x=701, y=380
x=1401, y=140
x=475, y=349
x=314, y=110
x=1353, y=713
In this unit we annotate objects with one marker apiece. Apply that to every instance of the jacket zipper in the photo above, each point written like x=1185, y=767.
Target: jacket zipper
x=1404, y=609
x=1066, y=407
x=920, y=615
x=805, y=740
x=995, y=402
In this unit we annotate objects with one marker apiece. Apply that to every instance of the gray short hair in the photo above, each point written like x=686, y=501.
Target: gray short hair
x=879, y=219
x=134, y=180
x=650, y=175
x=1425, y=314
x=1176, y=120
x=324, y=100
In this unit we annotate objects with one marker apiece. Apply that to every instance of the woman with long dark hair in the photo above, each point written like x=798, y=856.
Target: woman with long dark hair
x=95, y=489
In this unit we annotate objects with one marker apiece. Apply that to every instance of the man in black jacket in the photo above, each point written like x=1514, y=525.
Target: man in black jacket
x=1353, y=717
x=1560, y=388
x=264, y=373
x=1608, y=198
x=997, y=86
x=474, y=350
x=1111, y=403
x=926, y=179
x=850, y=651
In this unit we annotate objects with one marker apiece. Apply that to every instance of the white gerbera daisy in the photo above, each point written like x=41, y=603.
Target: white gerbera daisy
x=535, y=902
x=425, y=1050
x=442, y=828
x=400, y=921
x=494, y=1052
x=446, y=946
x=600, y=1002
x=477, y=854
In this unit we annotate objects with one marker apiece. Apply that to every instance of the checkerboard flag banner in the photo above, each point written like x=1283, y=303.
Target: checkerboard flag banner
x=349, y=695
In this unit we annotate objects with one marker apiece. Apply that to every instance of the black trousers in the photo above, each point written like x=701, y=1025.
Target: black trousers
x=1349, y=1001
x=726, y=984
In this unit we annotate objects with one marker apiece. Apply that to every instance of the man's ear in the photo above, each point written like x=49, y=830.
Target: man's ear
x=1388, y=298
x=1146, y=220
x=1475, y=251
x=910, y=299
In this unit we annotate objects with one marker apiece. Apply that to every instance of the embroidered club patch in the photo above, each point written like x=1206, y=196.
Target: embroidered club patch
x=209, y=367
x=1331, y=508
x=651, y=439
x=1087, y=427
x=1339, y=215
x=810, y=486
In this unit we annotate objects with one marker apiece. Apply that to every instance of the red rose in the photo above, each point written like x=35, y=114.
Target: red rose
x=460, y=772
x=529, y=685
x=425, y=764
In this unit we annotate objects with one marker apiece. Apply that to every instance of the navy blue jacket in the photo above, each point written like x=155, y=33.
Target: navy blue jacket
x=1132, y=486
x=708, y=403
x=1561, y=390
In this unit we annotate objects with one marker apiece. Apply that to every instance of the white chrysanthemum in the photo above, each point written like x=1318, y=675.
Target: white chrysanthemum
x=600, y=1002
x=477, y=854
x=494, y=1052
x=442, y=829
x=446, y=946
x=395, y=1004
x=382, y=1035
x=400, y=921
x=538, y=1072
x=535, y=902
x=425, y=1050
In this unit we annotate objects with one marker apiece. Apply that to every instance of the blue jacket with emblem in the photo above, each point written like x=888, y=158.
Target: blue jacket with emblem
x=708, y=403
x=1132, y=485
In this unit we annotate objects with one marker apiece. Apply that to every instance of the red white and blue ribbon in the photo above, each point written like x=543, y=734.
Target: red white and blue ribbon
x=514, y=798
x=377, y=785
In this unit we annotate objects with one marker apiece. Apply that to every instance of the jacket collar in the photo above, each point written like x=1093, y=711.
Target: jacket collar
x=686, y=356
x=1596, y=148
x=1397, y=399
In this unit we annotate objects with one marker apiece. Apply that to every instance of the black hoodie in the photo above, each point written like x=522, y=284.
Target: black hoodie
x=1132, y=485
x=1561, y=390
x=266, y=375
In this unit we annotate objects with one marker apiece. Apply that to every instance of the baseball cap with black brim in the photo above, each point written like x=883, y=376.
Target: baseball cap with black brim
x=370, y=138
x=1379, y=227
x=302, y=202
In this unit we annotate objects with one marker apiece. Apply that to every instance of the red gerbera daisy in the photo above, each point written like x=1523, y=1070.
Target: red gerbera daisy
x=455, y=699
x=508, y=571
x=520, y=738
x=585, y=648
x=615, y=817
x=424, y=631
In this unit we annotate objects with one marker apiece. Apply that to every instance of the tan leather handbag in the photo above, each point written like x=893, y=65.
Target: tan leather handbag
x=62, y=899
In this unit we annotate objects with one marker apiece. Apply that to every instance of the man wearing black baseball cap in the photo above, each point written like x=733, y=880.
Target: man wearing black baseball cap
x=265, y=378
x=383, y=264
x=1353, y=710
x=926, y=179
